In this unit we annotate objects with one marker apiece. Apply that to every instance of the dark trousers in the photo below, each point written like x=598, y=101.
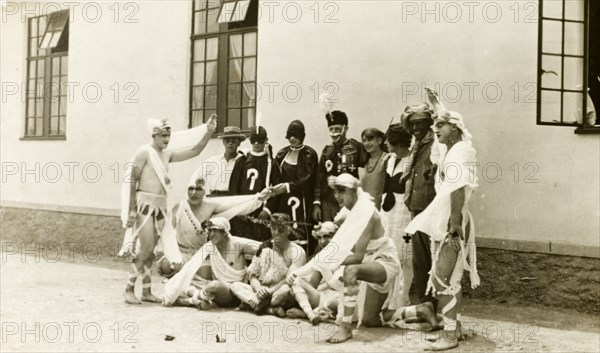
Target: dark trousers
x=421, y=247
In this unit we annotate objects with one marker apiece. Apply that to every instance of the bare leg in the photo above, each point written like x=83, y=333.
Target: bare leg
x=308, y=298
x=407, y=272
x=129, y=294
x=220, y=293
x=148, y=234
x=370, y=272
x=245, y=293
x=441, y=275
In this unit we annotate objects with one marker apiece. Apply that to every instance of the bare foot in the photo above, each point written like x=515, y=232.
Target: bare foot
x=295, y=313
x=205, y=305
x=425, y=311
x=316, y=320
x=447, y=341
x=130, y=297
x=150, y=298
x=276, y=311
x=343, y=334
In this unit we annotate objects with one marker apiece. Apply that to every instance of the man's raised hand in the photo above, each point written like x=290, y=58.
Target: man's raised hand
x=211, y=124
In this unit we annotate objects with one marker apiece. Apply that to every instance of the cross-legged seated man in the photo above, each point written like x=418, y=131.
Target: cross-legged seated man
x=273, y=262
x=211, y=283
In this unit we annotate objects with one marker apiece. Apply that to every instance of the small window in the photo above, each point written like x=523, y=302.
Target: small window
x=224, y=60
x=566, y=96
x=47, y=72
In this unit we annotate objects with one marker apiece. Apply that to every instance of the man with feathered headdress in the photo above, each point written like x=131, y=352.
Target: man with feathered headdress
x=144, y=210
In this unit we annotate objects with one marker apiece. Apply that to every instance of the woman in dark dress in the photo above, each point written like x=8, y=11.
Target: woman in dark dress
x=298, y=163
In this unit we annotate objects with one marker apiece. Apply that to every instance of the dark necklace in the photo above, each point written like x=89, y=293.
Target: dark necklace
x=369, y=169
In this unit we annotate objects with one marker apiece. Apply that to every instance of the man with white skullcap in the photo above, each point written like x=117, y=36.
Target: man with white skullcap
x=145, y=211
x=369, y=256
x=215, y=267
x=449, y=223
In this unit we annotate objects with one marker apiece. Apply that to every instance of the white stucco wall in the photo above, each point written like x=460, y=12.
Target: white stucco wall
x=378, y=55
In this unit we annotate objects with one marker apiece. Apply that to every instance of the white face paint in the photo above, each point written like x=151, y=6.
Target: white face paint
x=336, y=132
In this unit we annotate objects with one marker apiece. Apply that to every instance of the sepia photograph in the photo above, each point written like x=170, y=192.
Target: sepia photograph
x=300, y=175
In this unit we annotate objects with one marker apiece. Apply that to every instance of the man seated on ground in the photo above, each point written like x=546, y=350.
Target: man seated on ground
x=273, y=262
x=190, y=213
x=373, y=260
x=318, y=299
x=215, y=271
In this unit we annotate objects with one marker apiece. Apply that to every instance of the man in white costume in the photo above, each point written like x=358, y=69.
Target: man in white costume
x=144, y=197
x=449, y=223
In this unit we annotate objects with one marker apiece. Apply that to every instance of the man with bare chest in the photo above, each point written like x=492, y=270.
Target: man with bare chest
x=218, y=264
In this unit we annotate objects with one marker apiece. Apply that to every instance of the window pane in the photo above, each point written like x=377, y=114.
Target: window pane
x=233, y=117
x=52, y=90
x=40, y=68
x=41, y=25
x=197, y=116
x=32, y=67
x=572, y=103
x=62, y=126
x=574, y=10
x=235, y=70
x=234, y=93
x=250, y=44
x=63, y=105
x=211, y=21
x=56, y=66
x=31, y=108
x=198, y=97
x=208, y=113
x=64, y=65
x=33, y=45
x=249, y=95
x=30, y=126
x=39, y=125
x=40, y=88
x=235, y=46
x=247, y=118
x=211, y=72
x=31, y=89
x=240, y=11
x=226, y=12
x=54, y=125
x=551, y=71
x=200, y=22
x=198, y=74
x=573, y=38
x=54, y=106
x=211, y=97
x=573, y=74
x=199, y=49
x=46, y=40
x=552, y=37
x=39, y=107
x=552, y=8
x=212, y=48
x=55, y=38
x=250, y=69
x=550, y=107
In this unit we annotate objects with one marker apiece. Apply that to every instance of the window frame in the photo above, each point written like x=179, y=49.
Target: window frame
x=563, y=20
x=222, y=82
x=48, y=78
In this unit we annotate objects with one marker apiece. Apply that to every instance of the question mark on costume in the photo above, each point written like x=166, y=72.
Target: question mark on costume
x=253, y=175
x=295, y=203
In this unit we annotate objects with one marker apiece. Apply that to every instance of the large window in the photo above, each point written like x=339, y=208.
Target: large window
x=223, y=66
x=48, y=46
x=567, y=67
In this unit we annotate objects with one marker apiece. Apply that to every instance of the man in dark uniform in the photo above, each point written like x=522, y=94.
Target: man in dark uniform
x=341, y=156
x=420, y=189
x=251, y=174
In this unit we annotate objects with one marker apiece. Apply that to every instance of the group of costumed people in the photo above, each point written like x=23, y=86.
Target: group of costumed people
x=294, y=235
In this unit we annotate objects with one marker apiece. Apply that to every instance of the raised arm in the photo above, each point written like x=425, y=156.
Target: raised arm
x=178, y=156
x=435, y=100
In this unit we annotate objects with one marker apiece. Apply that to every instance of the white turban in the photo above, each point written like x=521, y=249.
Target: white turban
x=345, y=180
x=455, y=119
x=156, y=126
x=221, y=223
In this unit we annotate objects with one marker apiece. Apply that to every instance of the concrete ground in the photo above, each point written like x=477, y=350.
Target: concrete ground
x=71, y=306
